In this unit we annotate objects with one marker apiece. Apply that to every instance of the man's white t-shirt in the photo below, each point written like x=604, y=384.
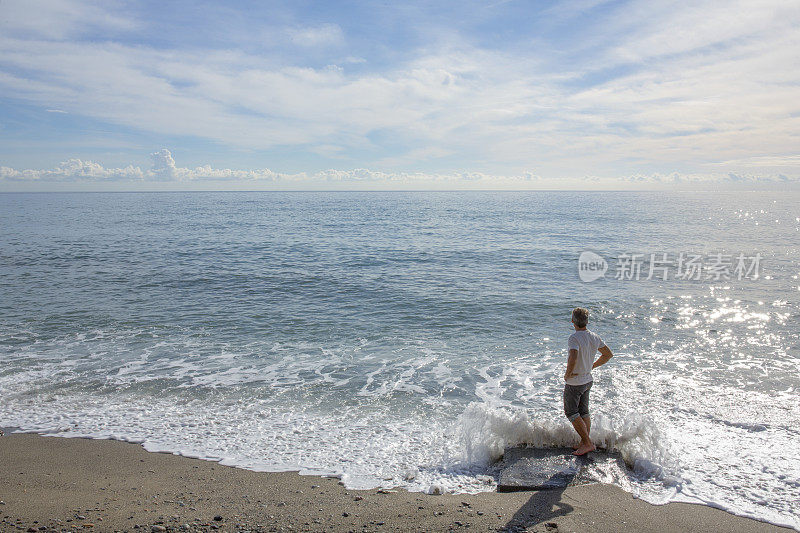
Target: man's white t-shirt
x=587, y=343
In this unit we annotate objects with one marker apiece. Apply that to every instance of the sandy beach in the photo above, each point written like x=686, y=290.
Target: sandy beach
x=59, y=484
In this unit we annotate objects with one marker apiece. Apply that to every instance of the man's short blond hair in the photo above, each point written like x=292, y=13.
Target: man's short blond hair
x=580, y=316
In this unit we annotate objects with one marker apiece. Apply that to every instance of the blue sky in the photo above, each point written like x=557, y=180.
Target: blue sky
x=498, y=94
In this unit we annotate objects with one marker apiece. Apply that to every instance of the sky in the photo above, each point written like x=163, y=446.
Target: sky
x=501, y=94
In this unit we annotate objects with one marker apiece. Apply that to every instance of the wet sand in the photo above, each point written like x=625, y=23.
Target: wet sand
x=58, y=484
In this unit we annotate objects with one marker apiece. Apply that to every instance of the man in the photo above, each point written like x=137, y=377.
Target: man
x=583, y=345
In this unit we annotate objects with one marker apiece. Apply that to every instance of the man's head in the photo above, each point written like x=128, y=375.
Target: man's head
x=580, y=317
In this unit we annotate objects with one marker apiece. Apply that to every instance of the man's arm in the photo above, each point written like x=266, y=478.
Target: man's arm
x=605, y=355
x=571, y=360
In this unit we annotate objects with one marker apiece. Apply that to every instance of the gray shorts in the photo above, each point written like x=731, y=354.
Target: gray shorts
x=576, y=401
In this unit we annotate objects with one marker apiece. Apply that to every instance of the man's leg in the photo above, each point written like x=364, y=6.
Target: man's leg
x=588, y=422
x=583, y=410
x=572, y=400
x=580, y=427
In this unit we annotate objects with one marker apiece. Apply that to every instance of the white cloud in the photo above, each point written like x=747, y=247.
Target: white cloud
x=73, y=170
x=696, y=85
x=322, y=35
x=163, y=165
x=688, y=180
x=164, y=169
x=61, y=19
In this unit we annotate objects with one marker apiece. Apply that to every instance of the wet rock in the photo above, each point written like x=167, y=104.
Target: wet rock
x=539, y=469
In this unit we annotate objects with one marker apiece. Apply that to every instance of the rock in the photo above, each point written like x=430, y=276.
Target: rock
x=158, y=528
x=32, y=530
x=479, y=513
x=539, y=469
x=314, y=486
x=80, y=517
x=358, y=498
x=465, y=504
x=345, y=514
x=218, y=518
x=186, y=527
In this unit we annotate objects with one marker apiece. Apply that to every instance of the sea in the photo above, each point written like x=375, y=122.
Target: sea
x=405, y=339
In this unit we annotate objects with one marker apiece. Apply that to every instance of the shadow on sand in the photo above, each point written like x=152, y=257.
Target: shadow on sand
x=542, y=507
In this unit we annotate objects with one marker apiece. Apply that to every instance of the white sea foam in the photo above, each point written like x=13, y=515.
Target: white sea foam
x=487, y=432
x=369, y=443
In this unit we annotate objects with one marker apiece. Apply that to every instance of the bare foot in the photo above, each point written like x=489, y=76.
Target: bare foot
x=583, y=449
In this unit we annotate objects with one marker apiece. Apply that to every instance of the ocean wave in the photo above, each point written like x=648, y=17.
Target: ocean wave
x=487, y=431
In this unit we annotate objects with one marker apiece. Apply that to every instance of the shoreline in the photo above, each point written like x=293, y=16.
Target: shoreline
x=68, y=484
